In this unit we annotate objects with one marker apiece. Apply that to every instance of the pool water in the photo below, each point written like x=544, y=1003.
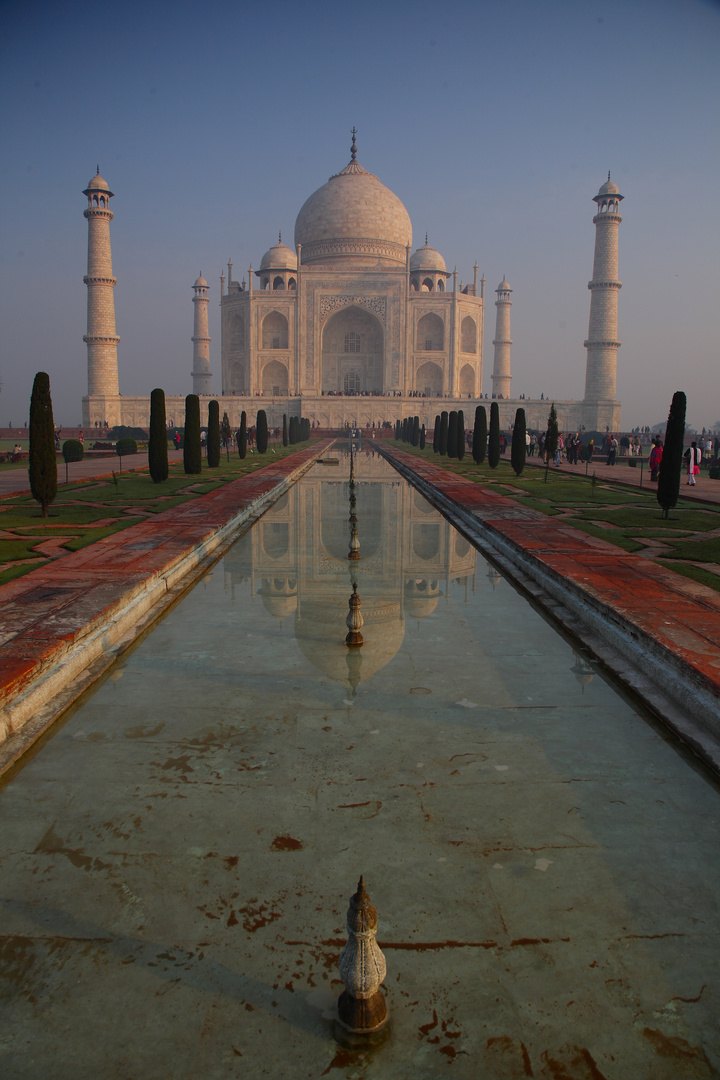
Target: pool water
x=176, y=861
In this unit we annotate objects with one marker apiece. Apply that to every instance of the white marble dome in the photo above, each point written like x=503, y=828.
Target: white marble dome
x=279, y=257
x=353, y=216
x=427, y=258
x=609, y=188
x=98, y=184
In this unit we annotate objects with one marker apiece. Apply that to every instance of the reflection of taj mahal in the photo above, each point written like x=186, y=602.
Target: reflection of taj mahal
x=353, y=326
x=297, y=561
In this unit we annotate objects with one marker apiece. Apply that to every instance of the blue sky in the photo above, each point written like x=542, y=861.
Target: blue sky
x=494, y=123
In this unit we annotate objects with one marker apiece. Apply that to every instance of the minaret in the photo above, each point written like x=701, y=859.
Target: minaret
x=201, y=339
x=501, y=367
x=101, y=339
x=602, y=344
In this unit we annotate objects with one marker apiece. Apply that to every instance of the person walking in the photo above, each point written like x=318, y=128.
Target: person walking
x=694, y=456
x=655, y=459
x=612, y=450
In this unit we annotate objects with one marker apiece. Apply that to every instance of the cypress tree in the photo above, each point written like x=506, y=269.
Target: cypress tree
x=518, y=448
x=43, y=461
x=213, y=435
x=192, y=447
x=479, y=447
x=285, y=430
x=460, y=435
x=452, y=435
x=157, y=447
x=494, y=441
x=226, y=432
x=442, y=445
x=436, y=434
x=415, y=438
x=261, y=437
x=668, y=489
x=242, y=436
x=551, y=438
x=397, y=430
x=403, y=430
x=422, y=437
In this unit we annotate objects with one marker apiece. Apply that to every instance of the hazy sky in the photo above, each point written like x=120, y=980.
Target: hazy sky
x=495, y=123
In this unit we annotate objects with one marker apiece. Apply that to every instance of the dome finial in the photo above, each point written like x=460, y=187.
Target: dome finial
x=426, y=242
x=279, y=236
x=353, y=148
x=608, y=174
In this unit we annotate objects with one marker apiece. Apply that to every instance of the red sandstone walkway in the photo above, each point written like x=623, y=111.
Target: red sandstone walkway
x=679, y=615
x=44, y=614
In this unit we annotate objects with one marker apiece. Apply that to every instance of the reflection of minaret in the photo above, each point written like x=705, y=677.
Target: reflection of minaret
x=101, y=339
x=201, y=339
x=501, y=366
x=602, y=344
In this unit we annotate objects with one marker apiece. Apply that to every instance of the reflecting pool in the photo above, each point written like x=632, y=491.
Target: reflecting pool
x=176, y=860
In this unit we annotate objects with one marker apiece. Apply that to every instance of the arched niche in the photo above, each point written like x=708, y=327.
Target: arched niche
x=275, y=539
x=275, y=379
x=467, y=380
x=236, y=377
x=429, y=379
x=468, y=335
x=426, y=541
x=236, y=331
x=274, y=331
x=430, y=333
x=352, y=345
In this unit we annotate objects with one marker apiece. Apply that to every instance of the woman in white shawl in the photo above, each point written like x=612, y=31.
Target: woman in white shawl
x=694, y=457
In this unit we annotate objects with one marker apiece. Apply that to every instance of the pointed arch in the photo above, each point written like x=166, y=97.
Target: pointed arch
x=429, y=379
x=468, y=335
x=274, y=331
x=430, y=333
x=353, y=344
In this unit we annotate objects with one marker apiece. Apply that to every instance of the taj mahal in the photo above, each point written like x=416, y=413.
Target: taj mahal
x=351, y=326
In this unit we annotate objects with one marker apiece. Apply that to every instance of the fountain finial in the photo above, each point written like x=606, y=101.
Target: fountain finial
x=354, y=620
x=362, y=1009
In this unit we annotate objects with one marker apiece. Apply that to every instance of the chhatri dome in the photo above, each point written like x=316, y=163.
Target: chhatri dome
x=97, y=183
x=279, y=257
x=353, y=216
x=427, y=258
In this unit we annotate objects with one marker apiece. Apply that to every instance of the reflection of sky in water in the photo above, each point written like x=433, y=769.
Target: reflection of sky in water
x=180, y=853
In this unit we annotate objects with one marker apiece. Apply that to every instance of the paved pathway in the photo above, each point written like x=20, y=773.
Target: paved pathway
x=705, y=489
x=15, y=480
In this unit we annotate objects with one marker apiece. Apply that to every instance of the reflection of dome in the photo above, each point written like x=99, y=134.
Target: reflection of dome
x=427, y=258
x=279, y=606
x=279, y=257
x=320, y=632
x=279, y=595
x=421, y=597
x=353, y=216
